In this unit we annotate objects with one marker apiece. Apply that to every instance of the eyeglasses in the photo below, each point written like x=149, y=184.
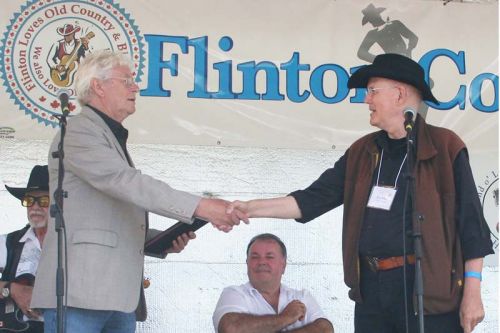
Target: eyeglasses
x=372, y=91
x=43, y=201
x=127, y=81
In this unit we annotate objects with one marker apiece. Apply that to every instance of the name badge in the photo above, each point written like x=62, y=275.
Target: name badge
x=381, y=197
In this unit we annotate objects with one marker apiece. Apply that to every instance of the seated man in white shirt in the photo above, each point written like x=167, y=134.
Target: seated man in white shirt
x=264, y=304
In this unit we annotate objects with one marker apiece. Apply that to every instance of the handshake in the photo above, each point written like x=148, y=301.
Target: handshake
x=224, y=214
x=221, y=213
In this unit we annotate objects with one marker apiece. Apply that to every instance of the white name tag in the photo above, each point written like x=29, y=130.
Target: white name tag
x=381, y=197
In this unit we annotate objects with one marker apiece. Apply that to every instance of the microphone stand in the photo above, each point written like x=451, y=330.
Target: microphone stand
x=56, y=211
x=417, y=219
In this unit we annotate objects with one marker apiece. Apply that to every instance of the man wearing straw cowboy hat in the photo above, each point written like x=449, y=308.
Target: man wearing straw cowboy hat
x=378, y=253
x=20, y=250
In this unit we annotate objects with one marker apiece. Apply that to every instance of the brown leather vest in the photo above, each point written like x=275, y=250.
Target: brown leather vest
x=442, y=261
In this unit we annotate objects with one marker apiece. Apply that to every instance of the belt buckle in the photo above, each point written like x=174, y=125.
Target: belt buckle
x=373, y=263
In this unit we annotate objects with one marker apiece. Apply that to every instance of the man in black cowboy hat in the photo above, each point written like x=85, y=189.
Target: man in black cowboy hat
x=23, y=249
x=378, y=254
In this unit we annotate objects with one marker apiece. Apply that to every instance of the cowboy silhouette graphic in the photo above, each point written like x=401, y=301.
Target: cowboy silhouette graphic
x=392, y=36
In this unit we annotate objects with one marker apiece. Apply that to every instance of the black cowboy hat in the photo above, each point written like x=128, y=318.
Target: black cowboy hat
x=395, y=67
x=39, y=181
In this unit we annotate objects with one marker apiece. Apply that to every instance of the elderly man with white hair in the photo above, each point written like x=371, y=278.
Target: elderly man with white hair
x=106, y=210
x=377, y=244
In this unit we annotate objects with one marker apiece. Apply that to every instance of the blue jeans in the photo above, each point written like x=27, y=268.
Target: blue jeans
x=91, y=321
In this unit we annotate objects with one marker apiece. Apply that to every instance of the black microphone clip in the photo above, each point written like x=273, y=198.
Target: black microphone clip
x=63, y=96
x=409, y=115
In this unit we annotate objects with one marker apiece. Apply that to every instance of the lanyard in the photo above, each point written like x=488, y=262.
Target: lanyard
x=380, y=167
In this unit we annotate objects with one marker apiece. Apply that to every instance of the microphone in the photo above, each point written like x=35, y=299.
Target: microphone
x=63, y=96
x=409, y=115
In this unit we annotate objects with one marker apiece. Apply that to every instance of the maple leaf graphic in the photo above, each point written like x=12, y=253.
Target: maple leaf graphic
x=55, y=104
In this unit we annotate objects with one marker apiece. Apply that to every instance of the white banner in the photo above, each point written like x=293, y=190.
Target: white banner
x=250, y=73
x=256, y=73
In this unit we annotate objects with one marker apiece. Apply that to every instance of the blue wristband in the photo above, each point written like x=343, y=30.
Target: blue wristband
x=476, y=275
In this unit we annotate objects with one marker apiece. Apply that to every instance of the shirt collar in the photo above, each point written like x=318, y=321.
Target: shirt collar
x=390, y=145
x=29, y=235
x=120, y=132
x=253, y=290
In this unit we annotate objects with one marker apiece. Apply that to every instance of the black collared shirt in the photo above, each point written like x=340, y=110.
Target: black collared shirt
x=120, y=132
x=382, y=230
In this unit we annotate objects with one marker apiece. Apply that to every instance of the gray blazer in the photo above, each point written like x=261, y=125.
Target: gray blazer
x=105, y=215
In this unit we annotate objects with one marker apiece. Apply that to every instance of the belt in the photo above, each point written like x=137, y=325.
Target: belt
x=383, y=264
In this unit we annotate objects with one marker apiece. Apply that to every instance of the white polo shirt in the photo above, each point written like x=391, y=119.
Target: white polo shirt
x=247, y=299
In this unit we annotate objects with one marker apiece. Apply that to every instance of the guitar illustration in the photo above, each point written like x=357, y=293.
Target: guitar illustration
x=62, y=75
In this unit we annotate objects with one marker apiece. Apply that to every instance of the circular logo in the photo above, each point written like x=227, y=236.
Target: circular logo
x=45, y=42
x=488, y=194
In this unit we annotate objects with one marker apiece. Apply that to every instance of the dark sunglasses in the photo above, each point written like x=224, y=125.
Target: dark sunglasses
x=43, y=201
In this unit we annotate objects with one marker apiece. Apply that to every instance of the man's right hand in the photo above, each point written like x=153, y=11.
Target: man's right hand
x=214, y=210
x=238, y=209
x=294, y=311
x=281, y=207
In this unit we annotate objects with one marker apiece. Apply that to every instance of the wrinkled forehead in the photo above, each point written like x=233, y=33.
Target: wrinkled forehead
x=265, y=246
x=123, y=71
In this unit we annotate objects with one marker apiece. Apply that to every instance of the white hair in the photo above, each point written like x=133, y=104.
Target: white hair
x=97, y=65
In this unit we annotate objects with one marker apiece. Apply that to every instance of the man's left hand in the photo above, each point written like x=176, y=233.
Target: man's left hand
x=471, y=308
x=180, y=243
x=21, y=295
x=85, y=43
